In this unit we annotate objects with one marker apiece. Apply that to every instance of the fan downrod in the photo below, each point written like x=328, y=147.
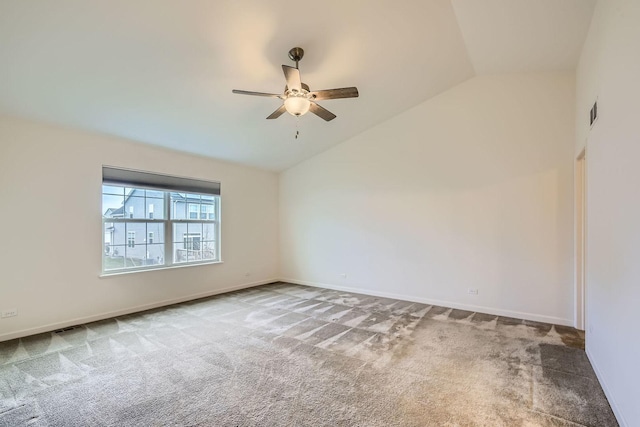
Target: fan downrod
x=296, y=54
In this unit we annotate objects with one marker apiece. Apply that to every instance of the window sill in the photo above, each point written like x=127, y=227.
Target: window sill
x=146, y=270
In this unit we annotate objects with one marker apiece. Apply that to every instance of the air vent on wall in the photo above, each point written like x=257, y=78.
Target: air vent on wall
x=593, y=115
x=70, y=328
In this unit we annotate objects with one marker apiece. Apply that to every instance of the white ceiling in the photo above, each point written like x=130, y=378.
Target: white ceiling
x=523, y=35
x=161, y=71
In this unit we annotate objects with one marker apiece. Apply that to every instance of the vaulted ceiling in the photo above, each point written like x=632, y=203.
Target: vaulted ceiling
x=162, y=71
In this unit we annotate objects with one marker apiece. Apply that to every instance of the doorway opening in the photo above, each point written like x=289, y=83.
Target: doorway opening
x=580, y=240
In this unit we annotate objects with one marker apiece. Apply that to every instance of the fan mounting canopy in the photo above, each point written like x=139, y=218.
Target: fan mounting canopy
x=296, y=54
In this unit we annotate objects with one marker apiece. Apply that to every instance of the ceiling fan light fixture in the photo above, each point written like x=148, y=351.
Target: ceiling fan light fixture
x=298, y=98
x=297, y=105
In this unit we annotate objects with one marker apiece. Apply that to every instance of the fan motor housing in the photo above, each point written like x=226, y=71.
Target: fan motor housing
x=304, y=87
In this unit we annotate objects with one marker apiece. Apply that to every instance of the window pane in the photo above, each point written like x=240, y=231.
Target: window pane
x=193, y=202
x=155, y=255
x=136, y=231
x=115, y=233
x=188, y=242
x=112, y=206
x=209, y=231
x=208, y=210
x=155, y=232
x=193, y=241
x=193, y=210
x=179, y=230
x=155, y=208
x=195, y=228
x=209, y=251
x=134, y=207
x=179, y=251
x=135, y=256
x=113, y=259
x=113, y=189
x=178, y=206
x=180, y=243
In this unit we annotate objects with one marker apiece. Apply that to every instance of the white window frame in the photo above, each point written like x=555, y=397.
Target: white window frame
x=168, y=227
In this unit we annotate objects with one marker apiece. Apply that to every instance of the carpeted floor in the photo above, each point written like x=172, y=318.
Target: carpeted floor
x=289, y=355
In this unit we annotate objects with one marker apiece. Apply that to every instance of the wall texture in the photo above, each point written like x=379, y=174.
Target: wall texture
x=470, y=189
x=50, y=257
x=609, y=70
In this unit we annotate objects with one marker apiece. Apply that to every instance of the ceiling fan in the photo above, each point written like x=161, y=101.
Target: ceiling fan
x=297, y=98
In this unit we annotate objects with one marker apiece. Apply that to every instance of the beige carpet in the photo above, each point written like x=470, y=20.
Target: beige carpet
x=289, y=355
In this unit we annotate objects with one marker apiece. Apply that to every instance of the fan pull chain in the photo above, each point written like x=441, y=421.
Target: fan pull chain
x=297, y=131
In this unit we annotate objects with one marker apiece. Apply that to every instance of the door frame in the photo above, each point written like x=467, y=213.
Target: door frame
x=580, y=240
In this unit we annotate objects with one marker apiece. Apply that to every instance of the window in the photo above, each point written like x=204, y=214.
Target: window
x=131, y=239
x=195, y=239
x=179, y=216
x=192, y=241
x=206, y=212
x=193, y=211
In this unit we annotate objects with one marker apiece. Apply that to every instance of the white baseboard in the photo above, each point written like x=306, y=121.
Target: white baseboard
x=607, y=391
x=110, y=314
x=450, y=304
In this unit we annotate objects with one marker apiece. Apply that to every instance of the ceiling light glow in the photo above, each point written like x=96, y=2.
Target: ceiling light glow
x=297, y=105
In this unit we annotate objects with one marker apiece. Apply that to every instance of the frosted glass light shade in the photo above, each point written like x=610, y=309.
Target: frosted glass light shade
x=297, y=105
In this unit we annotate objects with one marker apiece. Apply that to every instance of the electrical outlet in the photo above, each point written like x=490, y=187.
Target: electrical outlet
x=9, y=312
x=472, y=291
x=343, y=275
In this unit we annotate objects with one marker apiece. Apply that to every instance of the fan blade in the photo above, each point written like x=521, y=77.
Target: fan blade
x=277, y=113
x=321, y=112
x=246, y=92
x=345, y=92
x=293, y=77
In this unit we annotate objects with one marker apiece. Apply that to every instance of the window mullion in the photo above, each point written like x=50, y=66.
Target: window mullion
x=168, y=239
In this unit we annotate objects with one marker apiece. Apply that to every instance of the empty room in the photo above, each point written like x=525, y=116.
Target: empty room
x=342, y=213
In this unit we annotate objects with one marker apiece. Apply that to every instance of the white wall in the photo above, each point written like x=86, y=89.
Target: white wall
x=470, y=189
x=609, y=70
x=50, y=256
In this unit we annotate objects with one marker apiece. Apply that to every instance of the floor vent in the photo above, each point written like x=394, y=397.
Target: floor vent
x=70, y=328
